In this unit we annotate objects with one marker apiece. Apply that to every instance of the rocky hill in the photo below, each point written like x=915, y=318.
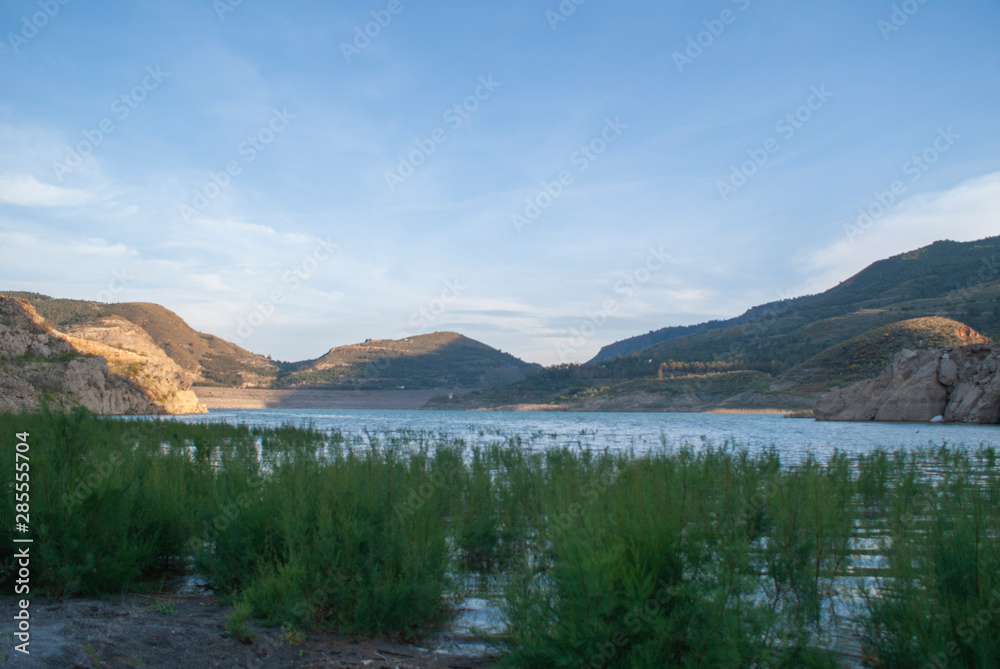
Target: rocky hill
x=955, y=384
x=783, y=354
x=97, y=370
x=441, y=360
x=866, y=355
x=209, y=360
x=958, y=280
x=438, y=360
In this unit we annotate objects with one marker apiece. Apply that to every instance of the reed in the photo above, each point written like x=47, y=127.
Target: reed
x=708, y=556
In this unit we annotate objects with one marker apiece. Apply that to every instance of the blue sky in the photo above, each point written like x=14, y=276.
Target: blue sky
x=544, y=180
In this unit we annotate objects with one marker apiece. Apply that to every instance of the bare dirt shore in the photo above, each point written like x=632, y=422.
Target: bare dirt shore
x=126, y=632
x=253, y=398
x=765, y=412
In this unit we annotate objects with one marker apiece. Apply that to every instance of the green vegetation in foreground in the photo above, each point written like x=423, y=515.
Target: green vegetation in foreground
x=712, y=557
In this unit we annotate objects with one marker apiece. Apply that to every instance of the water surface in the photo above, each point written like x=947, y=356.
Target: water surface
x=792, y=438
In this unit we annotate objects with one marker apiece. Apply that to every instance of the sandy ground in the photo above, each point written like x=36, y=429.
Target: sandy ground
x=526, y=407
x=767, y=412
x=125, y=632
x=235, y=398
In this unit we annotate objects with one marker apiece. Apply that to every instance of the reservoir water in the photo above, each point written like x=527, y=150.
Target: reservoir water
x=792, y=438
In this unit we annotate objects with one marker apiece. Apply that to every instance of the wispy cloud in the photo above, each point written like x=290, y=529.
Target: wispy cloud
x=966, y=212
x=24, y=190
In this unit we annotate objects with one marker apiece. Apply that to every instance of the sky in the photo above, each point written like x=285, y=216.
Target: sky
x=546, y=177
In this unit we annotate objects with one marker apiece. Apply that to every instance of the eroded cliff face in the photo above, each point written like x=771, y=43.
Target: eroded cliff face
x=960, y=384
x=39, y=364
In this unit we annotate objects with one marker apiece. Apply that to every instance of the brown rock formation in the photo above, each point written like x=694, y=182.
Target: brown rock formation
x=958, y=383
x=38, y=362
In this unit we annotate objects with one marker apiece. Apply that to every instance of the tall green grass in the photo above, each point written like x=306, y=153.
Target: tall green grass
x=111, y=501
x=938, y=603
x=708, y=557
x=656, y=560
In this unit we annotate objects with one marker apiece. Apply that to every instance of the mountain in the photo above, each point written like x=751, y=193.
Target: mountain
x=41, y=365
x=444, y=360
x=780, y=354
x=438, y=360
x=783, y=353
x=952, y=279
x=209, y=359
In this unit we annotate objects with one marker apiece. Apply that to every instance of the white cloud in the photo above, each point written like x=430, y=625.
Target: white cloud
x=25, y=190
x=967, y=212
x=210, y=282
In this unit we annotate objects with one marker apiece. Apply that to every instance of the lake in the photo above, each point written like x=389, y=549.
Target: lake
x=792, y=438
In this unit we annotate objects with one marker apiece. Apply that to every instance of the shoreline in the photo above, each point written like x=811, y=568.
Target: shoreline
x=763, y=412
x=410, y=400
x=317, y=398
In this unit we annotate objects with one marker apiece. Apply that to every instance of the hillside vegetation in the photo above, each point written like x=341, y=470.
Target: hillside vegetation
x=866, y=355
x=944, y=294
x=774, y=355
x=211, y=360
x=438, y=360
x=951, y=279
x=442, y=360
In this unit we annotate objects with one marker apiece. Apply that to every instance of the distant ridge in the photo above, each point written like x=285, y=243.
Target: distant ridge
x=441, y=360
x=437, y=360
x=781, y=354
x=934, y=280
x=210, y=359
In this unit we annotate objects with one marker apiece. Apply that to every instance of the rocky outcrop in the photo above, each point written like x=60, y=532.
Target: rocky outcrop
x=38, y=364
x=959, y=384
x=132, y=354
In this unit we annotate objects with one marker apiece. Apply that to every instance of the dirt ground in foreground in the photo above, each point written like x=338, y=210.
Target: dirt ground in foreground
x=125, y=632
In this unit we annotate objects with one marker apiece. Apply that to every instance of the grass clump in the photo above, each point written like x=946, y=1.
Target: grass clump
x=111, y=505
x=166, y=608
x=237, y=623
x=650, y=561
x=938, y=601
x=328, y=540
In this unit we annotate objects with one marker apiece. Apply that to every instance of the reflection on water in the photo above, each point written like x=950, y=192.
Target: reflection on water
x=792, y=438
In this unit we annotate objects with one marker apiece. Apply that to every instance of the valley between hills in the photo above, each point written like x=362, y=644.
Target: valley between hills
x=777, y=356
